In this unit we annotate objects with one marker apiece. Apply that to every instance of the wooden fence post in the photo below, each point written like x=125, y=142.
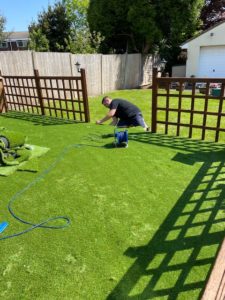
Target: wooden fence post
x=85, y=96
x=3, y=103
x=154, y=99
x=39, y=93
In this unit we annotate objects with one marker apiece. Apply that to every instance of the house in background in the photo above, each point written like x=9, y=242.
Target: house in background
x=206, y=53
x=15, y=41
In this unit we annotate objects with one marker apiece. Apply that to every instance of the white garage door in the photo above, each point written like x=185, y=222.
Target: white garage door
x=212, y=62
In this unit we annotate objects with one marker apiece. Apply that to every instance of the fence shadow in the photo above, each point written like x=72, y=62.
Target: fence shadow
x=164, y=267
x=37, y=119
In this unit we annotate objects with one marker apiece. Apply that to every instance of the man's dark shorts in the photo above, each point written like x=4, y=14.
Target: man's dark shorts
x=136, y=120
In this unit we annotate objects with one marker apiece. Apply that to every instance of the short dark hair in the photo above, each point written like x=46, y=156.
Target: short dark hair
x=104, y=98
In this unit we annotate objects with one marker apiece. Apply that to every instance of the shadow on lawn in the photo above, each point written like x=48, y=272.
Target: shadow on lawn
x=37, y=119
x=164, y=268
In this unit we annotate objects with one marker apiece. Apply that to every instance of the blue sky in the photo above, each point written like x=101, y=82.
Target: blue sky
x=20, y=13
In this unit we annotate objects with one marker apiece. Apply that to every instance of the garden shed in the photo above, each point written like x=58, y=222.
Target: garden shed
x=206, y=53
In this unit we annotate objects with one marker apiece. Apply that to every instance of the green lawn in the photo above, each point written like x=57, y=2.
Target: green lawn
x=146, y=221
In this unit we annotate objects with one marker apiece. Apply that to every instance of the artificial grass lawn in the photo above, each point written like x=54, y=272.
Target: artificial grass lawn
x=146, y=221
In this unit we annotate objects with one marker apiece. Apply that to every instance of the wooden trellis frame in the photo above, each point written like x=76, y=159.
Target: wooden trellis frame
x=162, y=88
x=57, y=96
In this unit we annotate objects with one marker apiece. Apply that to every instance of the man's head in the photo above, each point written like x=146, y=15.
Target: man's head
x=106, y=101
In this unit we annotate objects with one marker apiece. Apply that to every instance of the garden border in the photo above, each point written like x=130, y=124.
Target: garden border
x=215, y=285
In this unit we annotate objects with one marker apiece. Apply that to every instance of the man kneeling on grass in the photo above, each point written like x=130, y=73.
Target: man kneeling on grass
x=123, y=113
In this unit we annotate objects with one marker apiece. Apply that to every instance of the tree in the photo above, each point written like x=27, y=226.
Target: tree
x=143, y=26
x=77, y=13
x=2, y=27
x=52, y=29
x=212, y=12
x=178, y=21
x=38, y=41
x=81, y=40
x=144, y=30
x=113, y=19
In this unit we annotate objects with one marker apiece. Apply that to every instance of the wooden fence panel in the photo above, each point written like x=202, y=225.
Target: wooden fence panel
x=18, y=63
x=192, y=109
x=62, y=97
x=104, y=73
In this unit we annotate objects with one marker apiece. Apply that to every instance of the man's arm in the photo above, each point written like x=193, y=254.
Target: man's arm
x=114, y=121
x=109, y=115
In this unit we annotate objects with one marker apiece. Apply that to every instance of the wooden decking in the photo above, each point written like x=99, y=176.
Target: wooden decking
x=215, y=287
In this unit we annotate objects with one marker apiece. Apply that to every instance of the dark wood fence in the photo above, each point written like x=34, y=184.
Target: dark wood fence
x=63, y=97
x=2, y=102
x=193, y=104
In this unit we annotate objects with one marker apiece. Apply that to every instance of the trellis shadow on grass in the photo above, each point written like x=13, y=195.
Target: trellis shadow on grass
x=37, y=119
x=166, y=266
